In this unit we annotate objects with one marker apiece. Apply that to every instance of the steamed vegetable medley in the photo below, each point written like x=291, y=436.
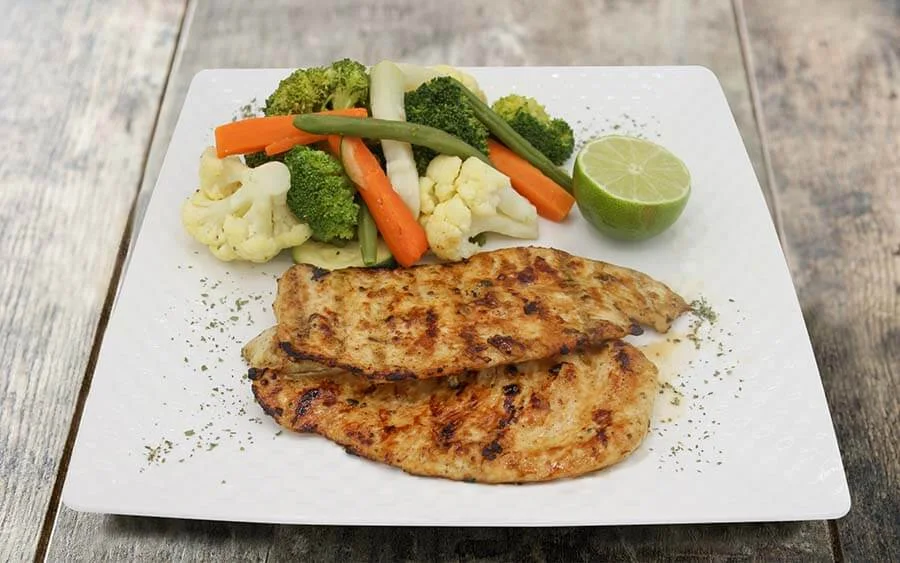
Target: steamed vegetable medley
x=352, y=166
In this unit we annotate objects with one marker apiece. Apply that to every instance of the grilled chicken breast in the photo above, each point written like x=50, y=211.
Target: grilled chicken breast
x=501, y=307
x=548, y=419
x=263, y=352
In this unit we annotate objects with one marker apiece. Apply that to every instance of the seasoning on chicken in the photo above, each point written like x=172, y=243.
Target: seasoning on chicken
x=501, y=307
x=550, y=419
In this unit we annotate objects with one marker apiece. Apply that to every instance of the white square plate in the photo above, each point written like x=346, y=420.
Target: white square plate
x=741, y=429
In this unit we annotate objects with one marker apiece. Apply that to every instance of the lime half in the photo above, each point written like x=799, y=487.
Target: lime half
x=630, y=188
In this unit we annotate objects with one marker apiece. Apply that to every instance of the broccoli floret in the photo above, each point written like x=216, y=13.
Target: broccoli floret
x=255, y=159
x=553, y=137
x=441, y=103
x=343, y=84
x=321, y=195
x=350, y=84
x=306, y=90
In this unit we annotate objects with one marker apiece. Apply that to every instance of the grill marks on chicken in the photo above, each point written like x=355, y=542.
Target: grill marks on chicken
x=264, y=352
x=553, y=418
x=506, y=368
x=507, y=306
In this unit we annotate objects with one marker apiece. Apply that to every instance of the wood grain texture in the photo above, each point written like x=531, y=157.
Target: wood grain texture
x=828, y=74
x=125, y=538
x=77, y=108
x=507, y=32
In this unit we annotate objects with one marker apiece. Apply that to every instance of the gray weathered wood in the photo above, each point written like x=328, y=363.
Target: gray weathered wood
x=828, y=75
x=242, y=34
x=119, y=538
x=79, y=93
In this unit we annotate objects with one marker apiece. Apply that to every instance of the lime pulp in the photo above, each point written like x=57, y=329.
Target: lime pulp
x=630, y=188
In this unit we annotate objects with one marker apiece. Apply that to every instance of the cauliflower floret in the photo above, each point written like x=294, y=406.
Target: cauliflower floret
x=219, y=177
x=249, y=222
x=416, y=75
x=438, y=184
x=427, y=199
x=464, y=78
x=448, y=231
x=444, y=172
x=463, y=199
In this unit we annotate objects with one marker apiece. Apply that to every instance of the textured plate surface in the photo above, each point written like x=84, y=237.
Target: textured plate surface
x=741, y=428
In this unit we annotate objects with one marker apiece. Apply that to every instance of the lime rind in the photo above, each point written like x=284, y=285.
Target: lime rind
x=630, y=188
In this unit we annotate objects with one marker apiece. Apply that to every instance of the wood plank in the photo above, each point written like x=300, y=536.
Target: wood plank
x=79, y=97
x=237, y=34
x=82, y=537
x=827, y=74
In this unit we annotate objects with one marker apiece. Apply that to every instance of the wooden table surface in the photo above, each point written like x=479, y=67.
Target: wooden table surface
x=89, y=95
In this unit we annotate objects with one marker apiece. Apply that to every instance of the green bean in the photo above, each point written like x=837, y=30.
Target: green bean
x=371, y=128
x=516, y=143
x=367, y=233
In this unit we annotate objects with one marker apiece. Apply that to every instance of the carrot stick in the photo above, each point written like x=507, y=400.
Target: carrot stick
x=258, y=133
x=298, y=138
x=401, y=232
x=548, y=197
x=251, y=135
x=334, y=145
